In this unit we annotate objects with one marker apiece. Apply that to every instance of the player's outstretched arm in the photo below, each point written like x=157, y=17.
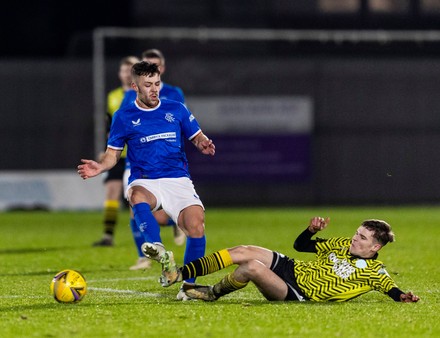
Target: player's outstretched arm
x=204, y=144
x=90, y=168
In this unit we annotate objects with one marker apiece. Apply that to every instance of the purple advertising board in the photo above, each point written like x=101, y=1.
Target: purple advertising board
x=256, y=138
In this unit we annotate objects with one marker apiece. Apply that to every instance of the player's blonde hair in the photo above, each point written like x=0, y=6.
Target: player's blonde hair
x=154, y=54
x=129, y=60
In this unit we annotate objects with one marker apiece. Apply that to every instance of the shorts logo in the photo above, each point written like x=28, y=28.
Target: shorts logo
x=164, y=136
x=169, y=117
x=136, y=123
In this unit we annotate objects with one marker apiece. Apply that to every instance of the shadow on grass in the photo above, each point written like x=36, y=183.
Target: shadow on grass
x=52, y=272
x=56, y=306
x=18, y=251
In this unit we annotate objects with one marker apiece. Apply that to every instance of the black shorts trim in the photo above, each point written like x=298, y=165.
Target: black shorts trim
x=117, y=172
x=283, y=267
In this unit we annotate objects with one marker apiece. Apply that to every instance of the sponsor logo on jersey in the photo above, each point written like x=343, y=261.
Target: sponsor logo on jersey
x=163, y=136
x=341, y=267
x=136, y=123
x=191, y=118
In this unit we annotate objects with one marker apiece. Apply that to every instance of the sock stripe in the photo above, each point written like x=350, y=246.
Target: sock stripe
x=227, y=285
x=207, y=264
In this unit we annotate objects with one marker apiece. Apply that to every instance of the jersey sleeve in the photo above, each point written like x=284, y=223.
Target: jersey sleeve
x=190, y=126
x=304, y=242
x=381, y=281
x=116, y=139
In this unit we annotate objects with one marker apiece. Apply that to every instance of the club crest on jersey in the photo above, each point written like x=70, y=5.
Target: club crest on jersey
x=169, y=117
x=136, y=123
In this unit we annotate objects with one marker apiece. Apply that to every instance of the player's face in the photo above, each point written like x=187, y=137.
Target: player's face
x=125, y=75
x=147, y=88
x=363, y=244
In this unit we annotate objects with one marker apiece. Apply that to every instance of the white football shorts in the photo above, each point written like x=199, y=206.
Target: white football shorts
x=172, y=194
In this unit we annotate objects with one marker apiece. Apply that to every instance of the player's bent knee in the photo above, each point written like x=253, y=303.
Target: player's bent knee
x=196, y=231
x=252, y=270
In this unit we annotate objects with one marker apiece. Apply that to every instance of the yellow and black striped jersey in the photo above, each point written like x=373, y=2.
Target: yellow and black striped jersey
x=114, y=100
x=336, y=275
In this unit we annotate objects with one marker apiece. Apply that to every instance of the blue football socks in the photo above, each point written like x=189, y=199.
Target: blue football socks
x=137, y=236
x=195, y=248
x=146, y=222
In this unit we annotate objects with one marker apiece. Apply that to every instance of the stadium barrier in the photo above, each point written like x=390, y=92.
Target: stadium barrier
x=49, y=190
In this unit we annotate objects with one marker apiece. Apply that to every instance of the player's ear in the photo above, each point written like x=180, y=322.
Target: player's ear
x=376, y=247
x=134, y=86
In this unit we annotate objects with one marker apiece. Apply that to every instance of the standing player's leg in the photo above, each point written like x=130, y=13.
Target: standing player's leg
x=142, y=262
x=113, y=194
x=143, y=202
x=192, y=221
x=163, y=219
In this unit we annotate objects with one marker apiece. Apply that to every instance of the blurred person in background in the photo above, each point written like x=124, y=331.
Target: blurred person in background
x=113, y=183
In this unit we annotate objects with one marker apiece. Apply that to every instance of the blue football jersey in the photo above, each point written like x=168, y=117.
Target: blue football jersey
x=171, y=93
x=154, y=138
x=129, y=97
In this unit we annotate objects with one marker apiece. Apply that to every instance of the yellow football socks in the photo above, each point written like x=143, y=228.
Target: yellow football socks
x=111, y=208
x=227, y=285
x=207, y=264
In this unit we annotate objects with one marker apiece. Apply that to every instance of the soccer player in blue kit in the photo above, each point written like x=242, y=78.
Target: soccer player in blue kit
x=153, y=130
x=170, y=92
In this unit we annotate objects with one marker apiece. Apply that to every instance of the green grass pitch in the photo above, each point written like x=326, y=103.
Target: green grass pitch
x=122, y=303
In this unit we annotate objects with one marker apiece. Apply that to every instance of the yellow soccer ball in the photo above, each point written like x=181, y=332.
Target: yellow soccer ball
x=68, y=286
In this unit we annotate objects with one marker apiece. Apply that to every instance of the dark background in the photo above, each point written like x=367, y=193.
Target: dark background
x=52, y=28
x=376, y=105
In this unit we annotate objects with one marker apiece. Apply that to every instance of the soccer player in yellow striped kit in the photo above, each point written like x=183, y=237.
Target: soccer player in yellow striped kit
x=344, y=268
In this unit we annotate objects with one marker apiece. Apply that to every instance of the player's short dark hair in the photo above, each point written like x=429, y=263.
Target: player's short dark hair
x=381, y=230
x=153, y=54
x=144, y=68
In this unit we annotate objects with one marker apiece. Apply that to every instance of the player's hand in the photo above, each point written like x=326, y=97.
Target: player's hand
x=318, y=224
x=409, y=297
x=206, y=147
x=89, y=169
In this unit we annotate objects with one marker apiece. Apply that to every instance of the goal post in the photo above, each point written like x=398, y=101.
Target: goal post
x=101, y=34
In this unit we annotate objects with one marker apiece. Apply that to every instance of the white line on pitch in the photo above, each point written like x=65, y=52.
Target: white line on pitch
x=139, y=293
x=121, y=279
